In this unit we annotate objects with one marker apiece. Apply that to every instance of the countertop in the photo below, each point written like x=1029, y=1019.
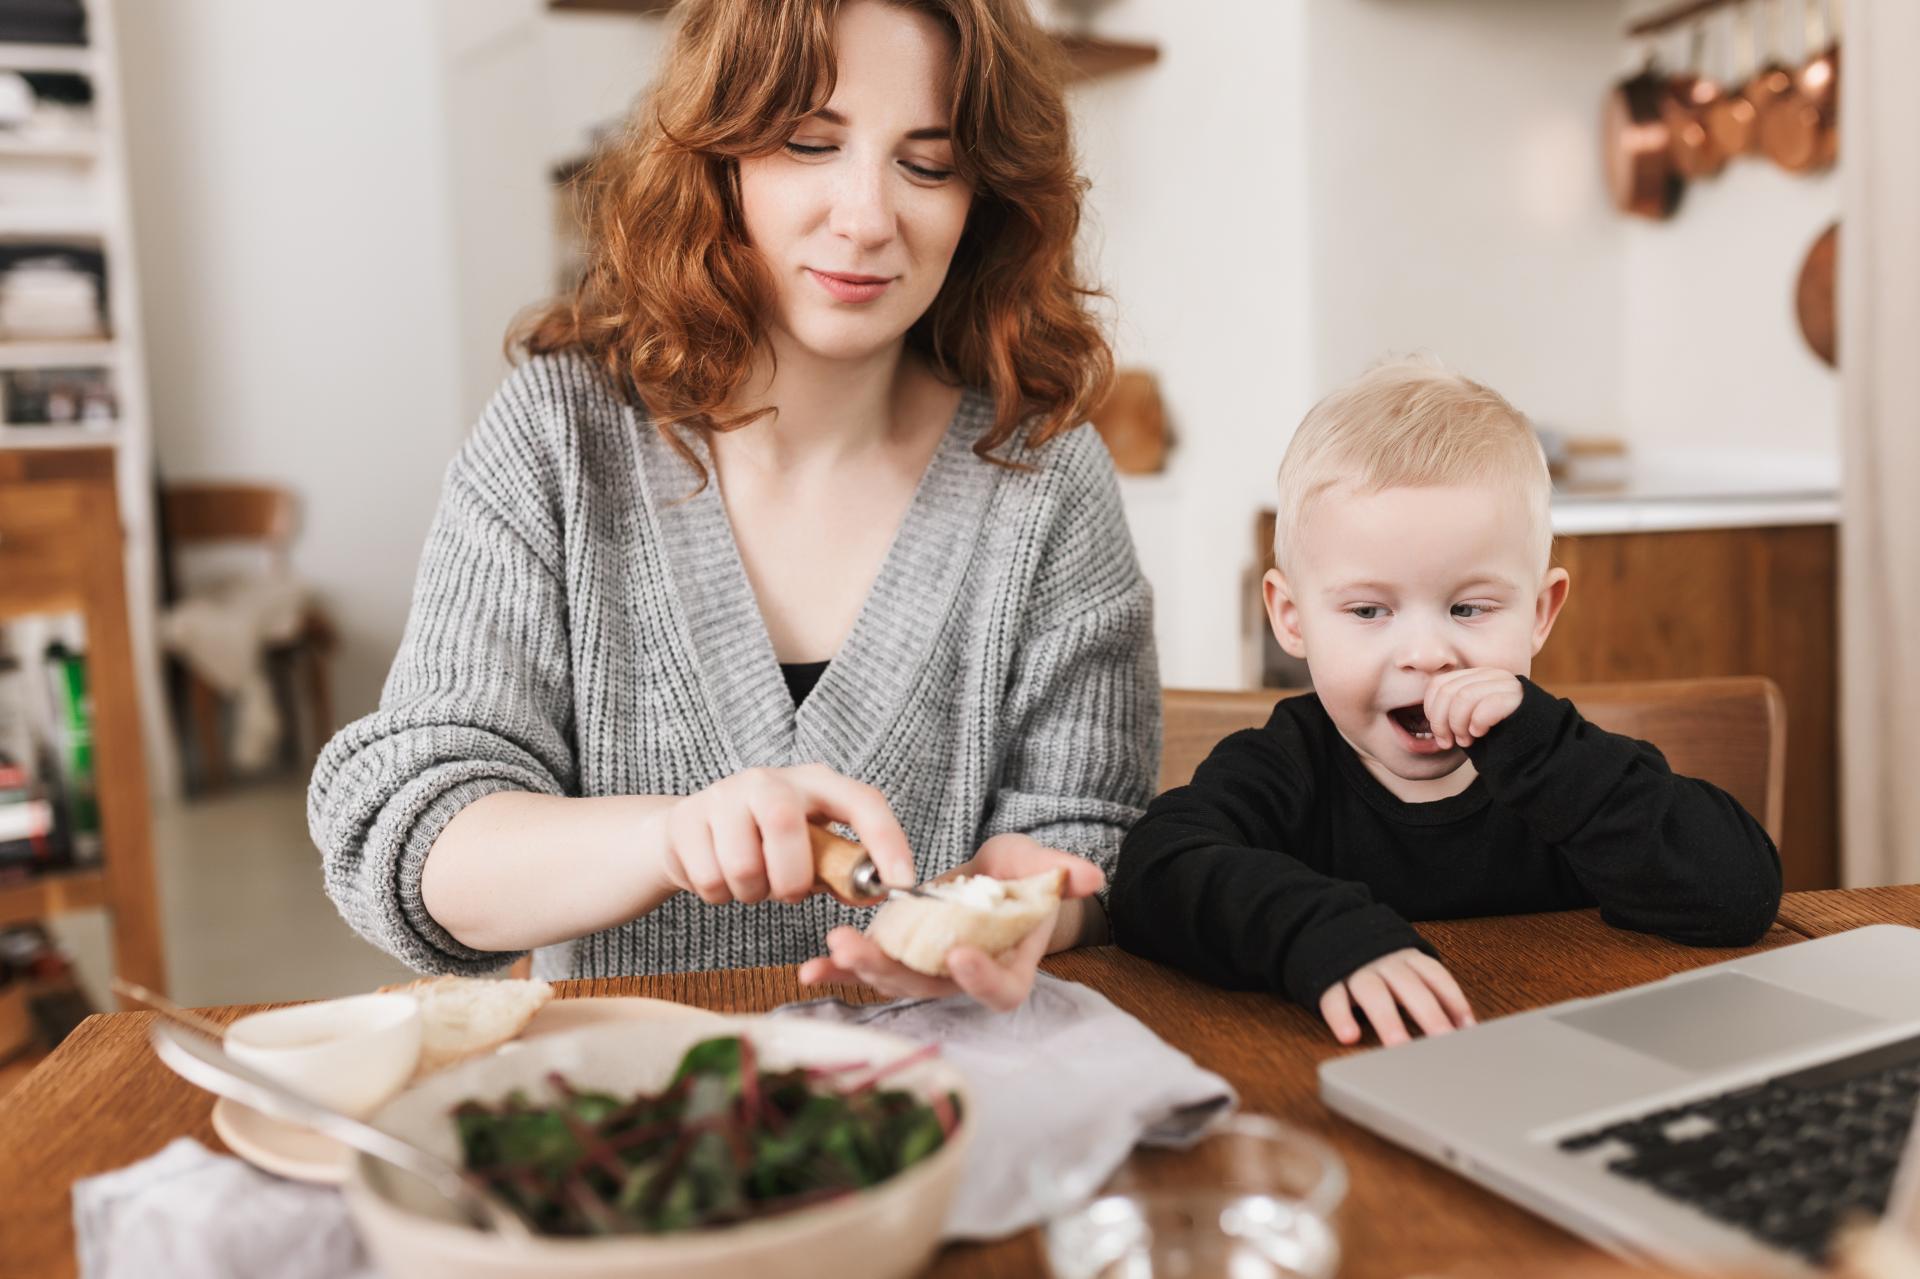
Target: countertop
x=1697, y=489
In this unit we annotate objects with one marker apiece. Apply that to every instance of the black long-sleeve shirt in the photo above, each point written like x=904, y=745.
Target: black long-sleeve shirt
x=1285, y=865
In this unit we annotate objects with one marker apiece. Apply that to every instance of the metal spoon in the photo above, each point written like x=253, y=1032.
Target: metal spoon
x=844, y=867
x=199, y=1059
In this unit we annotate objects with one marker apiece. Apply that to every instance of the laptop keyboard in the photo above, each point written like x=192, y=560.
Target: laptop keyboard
x=1788, y=1161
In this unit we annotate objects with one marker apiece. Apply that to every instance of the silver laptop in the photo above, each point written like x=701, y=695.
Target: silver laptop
x=1733, y=1115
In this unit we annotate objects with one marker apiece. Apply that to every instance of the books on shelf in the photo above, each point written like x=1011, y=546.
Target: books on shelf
x=49, y=812
x=44, y=22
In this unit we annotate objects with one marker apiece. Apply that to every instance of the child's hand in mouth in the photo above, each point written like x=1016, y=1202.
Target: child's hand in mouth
x=1462, y=706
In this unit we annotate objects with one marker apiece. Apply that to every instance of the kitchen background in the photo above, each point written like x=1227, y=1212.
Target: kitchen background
x=333, y=211
x=336, y=213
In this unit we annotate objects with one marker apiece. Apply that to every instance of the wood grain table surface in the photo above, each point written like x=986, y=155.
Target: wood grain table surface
x=102, y=1100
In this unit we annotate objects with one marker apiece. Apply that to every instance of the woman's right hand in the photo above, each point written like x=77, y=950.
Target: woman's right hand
x=744, y=838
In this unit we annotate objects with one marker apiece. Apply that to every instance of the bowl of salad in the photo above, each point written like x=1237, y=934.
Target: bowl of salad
x=765, y=1147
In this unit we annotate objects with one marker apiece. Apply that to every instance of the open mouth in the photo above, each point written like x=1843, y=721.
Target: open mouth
x=1413, y=719
x=1416, y=734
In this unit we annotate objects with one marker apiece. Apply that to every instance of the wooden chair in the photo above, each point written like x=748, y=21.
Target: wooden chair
x=1731, y=732
x=207, y=514
x=61, y=550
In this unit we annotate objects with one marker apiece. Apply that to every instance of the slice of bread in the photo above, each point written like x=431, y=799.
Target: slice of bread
x=919, y=931
x=462, y=1017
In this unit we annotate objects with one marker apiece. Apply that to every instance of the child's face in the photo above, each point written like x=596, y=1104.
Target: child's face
x=1389, y=590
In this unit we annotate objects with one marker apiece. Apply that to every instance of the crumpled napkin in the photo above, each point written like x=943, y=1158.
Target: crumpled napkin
x=187, y=1211
x=1061, y=1089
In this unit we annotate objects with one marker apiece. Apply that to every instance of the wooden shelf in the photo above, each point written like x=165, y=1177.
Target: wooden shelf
x=1088, y=56
x=78, y=146
x=57, y=222
x=65, y=435
x=1091, y=58
x=72, y=353
x=75, y=59
x=612, y=6
x=60, y=893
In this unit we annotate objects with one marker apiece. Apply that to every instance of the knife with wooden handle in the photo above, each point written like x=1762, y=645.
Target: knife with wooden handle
x=846, y=871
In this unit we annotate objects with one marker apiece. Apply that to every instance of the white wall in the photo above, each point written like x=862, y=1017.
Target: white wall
x=1458, y=206
x=1457, y=197
x=1712, y=354
x=340, y=209
x=1199, y=230
x=1298, y=189
x=522, y=87
x=289, y=180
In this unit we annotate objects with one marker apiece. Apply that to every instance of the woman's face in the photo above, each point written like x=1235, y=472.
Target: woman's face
x=857, y=217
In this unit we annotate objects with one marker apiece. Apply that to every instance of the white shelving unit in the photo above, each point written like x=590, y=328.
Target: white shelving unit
x=54, y=57
x=98, y=217
x=81, y=353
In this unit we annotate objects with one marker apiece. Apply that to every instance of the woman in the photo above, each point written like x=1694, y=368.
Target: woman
x=784, y=517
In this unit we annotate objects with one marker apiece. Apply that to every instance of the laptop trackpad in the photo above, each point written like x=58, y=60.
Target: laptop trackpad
x=1713, y=1022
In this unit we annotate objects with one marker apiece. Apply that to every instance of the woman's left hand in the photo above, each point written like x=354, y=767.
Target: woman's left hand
x=1000, y=982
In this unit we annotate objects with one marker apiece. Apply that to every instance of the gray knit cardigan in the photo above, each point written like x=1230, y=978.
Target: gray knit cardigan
x=581, y=626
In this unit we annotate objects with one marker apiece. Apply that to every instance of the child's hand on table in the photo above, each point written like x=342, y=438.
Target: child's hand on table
x=1002, y=981
x=1407, y=979
x=1462, y=706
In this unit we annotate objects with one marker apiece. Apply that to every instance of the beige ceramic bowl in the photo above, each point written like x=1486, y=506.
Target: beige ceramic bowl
x=885, y=1232
x=351, y=1054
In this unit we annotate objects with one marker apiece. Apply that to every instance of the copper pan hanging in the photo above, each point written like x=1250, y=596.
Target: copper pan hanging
x=1772, y=85
x=1800, y=131
x=1813, y=294
x=1731, y=117
x=1690, y=95
x=1636, y=147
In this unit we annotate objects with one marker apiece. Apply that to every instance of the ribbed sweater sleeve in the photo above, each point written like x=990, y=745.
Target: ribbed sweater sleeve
x=1082, y=713
x=1206, y=882
x=1663, y=854
x=477, y=700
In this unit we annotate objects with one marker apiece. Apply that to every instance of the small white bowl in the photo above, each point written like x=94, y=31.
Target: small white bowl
x=887, y=1231
x=351, y=1054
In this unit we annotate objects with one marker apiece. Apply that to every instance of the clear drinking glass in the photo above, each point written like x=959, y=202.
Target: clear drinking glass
x=1257, y=1199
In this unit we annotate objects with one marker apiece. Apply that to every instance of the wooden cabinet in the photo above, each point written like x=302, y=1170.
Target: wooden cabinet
x=1743, y=601
x=61, y=552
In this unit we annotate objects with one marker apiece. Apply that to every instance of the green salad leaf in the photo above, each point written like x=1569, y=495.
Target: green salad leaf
x=724, y=1142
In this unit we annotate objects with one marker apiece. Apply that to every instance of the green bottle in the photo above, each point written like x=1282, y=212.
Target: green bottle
x=73, y=711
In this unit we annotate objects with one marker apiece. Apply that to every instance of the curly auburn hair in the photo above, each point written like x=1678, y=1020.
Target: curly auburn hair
x=674, y=300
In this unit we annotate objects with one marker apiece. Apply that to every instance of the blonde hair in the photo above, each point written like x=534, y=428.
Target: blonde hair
x=1411, y=422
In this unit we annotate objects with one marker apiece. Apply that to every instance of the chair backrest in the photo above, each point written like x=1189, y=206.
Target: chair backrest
x=206, y=512
x=1731, y=732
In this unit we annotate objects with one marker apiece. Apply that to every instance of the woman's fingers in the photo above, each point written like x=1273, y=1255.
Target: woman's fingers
x=854, y=953
x=692, y=845
x=864, y=808
x=1002, y=983
x=1441, y=982
x=736, y=847
x=1371, y=993
x=781, y=816
x=999, y=986
x=1014, y=856
x=1410, y=989
x=1336, y=1009
x=821, y=971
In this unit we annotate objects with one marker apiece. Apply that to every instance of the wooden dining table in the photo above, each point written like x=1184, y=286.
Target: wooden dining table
x=102, y=1100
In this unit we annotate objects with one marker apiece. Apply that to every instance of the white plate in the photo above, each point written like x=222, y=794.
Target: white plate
x=289, y=1150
